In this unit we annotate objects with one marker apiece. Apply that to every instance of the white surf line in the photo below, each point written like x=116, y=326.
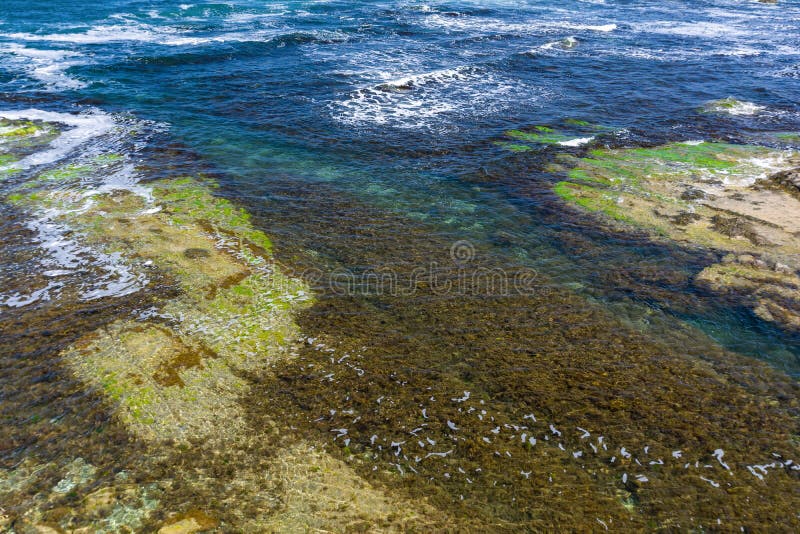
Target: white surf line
x=84, y=127
x=64, y=255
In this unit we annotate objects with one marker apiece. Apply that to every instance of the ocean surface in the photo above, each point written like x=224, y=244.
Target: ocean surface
x=367, y=135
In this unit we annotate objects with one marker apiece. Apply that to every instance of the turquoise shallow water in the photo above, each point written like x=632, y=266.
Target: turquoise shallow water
x=364, y=135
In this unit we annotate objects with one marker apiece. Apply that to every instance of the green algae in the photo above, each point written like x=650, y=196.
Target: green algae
x=700, y=155
x=725, y=103
x=590, y=198
x=67, y=172
x=20, y=136
x=731, y=106
x=187, y=201
x=514, y=147
x=701, y=194
x=20, y=129
x=543, y=136
x=632, y=171
x=526, y=140
x=789, y=137
x=17, y=139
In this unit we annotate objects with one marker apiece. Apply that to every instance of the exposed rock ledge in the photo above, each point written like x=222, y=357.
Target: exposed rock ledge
x=743, y=200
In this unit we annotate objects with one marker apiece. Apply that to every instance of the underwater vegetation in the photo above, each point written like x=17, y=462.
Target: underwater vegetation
x=174, y=373
x=731, y=198
x=575, y=132
x=261, y=405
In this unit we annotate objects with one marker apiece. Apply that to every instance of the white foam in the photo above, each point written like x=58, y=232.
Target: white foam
x=133, y=31
x=84, y=127
x=496, y=26
x=110, y=276
x=47, y=66
x=18, y=300
x=693, y=29
x=565, y=45
x=433, y=99
x=101, y=274
x=605, y=28
x=577, y=142
x=124, y=179
x=97, y=35
x=737, y=108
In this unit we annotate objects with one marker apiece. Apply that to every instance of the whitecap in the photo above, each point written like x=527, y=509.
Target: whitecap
x=564, y=45
x=693, y=29
x=577, y=142
x=132, y=31
x=731, y=106
x=605, y=28
x=433, y=99
x=46, y=66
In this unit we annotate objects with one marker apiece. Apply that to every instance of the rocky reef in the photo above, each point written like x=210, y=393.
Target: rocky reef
x=740, y=200
x=174, y=372
x=212, y=412
x=570, y=133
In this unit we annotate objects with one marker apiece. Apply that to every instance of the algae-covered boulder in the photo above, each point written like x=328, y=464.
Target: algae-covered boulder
x=572, y=133
x=732, y=198
x=175, y=374
x=732, y=106
x=173, y=371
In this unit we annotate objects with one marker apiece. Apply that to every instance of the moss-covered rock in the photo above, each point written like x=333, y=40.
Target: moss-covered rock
x=543, y=135
x=23, y=135
x=571, y=132
x=716, y=195
x=173, y=373
x=731, y=106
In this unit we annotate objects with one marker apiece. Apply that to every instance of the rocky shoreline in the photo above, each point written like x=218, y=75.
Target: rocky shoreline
x=739, y=200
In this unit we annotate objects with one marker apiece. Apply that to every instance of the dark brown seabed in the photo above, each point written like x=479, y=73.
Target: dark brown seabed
x=551, y=354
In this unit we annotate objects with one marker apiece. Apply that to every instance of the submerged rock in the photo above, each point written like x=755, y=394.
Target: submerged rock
x=789, y=180
x=731, y=198
x=732, y=106
x=175, y=373
x=575, y=133
x=194, y=521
